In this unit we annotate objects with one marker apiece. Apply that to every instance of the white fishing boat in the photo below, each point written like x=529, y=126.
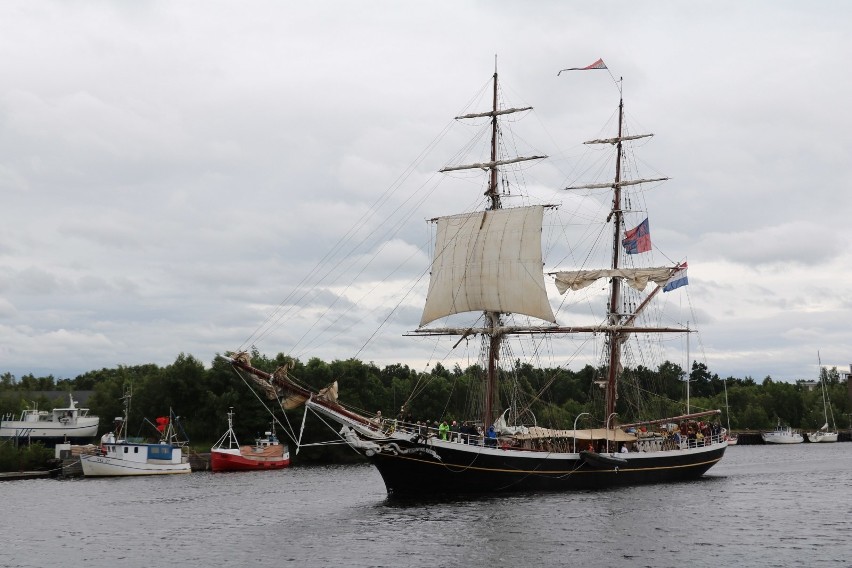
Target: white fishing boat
x=487, y=280
x=119, y=456
x=824, y=434
x=64, y=424
x=782, y=435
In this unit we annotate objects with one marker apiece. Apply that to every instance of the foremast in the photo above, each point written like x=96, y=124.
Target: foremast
x=493, y=319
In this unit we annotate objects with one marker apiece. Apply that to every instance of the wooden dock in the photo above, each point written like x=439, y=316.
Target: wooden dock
x=12, y=475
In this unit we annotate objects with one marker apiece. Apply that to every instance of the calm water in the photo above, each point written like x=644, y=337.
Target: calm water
x=762, y=506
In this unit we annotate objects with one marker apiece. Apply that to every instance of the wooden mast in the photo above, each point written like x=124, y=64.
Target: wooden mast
x=614, y=337
x=493, y=327
x=492, y=318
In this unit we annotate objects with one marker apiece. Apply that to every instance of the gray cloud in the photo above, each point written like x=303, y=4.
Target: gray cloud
x=170, y=172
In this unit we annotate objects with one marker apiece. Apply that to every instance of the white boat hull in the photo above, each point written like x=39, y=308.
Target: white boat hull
x=126, y=459
x=84, y=428
x=60, y=424
x=104, y=466
x=824, y=437
x=784, y=438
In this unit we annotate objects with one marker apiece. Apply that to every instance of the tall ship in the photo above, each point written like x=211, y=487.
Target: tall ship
x=487, y=282
x=62, y=424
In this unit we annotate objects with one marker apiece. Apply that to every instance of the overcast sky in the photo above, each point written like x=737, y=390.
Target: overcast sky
x=171, y=171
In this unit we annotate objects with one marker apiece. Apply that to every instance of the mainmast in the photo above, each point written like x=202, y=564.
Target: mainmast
x=493, y=320
x=619, y=326
x=614, y=337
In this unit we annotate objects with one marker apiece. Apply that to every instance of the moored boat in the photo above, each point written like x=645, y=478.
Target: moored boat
x=824, y=434
x=489, y=263
x=119, y=456
x=63, y=424
x=782, y=435
x=266, y=453
x=731, y=438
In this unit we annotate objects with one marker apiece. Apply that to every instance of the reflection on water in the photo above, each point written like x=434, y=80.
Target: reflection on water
x=761, y=506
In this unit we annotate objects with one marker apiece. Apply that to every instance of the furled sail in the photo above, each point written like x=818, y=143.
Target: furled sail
x=637, y=278
x=488, y=261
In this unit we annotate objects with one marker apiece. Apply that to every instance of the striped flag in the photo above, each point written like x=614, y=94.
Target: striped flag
x=677, y=280
x=599, y=64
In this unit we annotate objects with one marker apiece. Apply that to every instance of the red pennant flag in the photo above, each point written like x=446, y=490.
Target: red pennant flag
x=599, y=64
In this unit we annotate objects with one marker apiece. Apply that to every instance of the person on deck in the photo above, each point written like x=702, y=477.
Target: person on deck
x=377, y=419
x=491, y=437
x=466, y=431
x=444, y=430
x=454, y=431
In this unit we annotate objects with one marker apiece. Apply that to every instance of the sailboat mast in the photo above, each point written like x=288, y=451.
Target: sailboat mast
x=614, y=337
x=492, y=180
x=493, y=328
x=492, y=318
x=825, y=404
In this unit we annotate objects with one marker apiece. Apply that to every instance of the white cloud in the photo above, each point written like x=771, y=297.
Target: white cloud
x=171, y=171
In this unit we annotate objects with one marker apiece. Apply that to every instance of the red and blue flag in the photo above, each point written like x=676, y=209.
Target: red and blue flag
x=638, y=239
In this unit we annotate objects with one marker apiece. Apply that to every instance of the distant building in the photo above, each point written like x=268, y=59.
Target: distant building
x=843, y=374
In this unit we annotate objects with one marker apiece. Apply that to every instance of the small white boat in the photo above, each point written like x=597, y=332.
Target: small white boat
x=117, y=456
x=731, y=438
x=68, y=423
x=824, y=435
x=782, y=435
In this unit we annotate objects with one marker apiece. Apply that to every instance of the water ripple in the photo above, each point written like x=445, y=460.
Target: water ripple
x=762, y=506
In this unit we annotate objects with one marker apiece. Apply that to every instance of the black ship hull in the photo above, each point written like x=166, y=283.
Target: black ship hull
x=426, y=469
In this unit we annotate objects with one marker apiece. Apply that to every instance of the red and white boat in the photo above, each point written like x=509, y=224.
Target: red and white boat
x=266, y=453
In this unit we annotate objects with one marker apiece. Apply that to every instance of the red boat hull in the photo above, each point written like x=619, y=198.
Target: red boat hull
x=229, y=462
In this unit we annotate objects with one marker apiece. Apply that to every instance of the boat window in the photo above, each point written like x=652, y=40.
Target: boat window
x=125, y=449
x=135, y=450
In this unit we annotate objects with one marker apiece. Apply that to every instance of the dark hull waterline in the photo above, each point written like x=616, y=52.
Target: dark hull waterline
x=426, y=470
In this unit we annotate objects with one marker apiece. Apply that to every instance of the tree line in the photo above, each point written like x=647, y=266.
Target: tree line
x=202, y=395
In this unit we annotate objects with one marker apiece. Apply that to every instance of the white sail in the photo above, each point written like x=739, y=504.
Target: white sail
x=637, y=278
x=488, y=261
